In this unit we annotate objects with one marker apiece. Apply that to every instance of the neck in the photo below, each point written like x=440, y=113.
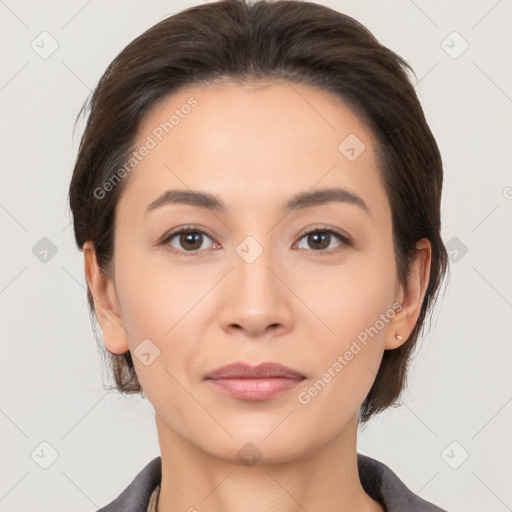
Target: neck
x=325, y=478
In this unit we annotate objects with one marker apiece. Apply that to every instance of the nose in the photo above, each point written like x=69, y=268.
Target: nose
x=255, y=299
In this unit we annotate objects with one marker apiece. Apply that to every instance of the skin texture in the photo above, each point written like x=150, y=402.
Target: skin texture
x=255, y=146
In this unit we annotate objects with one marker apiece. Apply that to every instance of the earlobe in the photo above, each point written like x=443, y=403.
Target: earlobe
x=411, y=297
x=105, y=303
x=394, y=340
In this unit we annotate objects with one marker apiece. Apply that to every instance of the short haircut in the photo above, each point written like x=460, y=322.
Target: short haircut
x=300, y=42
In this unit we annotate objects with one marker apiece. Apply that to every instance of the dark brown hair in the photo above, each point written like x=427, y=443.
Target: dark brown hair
x=301, y=42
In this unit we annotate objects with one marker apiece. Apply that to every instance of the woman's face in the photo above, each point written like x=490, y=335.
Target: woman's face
x=248, y=284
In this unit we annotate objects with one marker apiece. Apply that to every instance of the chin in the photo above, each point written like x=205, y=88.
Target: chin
x=253, y=446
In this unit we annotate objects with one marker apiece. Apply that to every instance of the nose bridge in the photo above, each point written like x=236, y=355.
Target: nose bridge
x=257, y=299
x=251, y=271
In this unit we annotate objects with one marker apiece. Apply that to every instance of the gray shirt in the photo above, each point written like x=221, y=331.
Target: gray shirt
x=377, y=480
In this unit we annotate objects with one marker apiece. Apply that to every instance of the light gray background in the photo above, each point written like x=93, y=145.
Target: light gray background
x=51, y=374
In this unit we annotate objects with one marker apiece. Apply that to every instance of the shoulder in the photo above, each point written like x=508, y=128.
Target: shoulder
x=384, y=486
x=135, y=498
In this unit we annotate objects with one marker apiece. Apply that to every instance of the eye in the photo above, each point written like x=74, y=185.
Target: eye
x=190, y=240
x=187, y=240
x=321, y=239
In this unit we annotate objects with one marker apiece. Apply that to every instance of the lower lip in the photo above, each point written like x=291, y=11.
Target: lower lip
x=255, y=389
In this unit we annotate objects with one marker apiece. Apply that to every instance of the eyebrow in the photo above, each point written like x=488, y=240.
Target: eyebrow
x=297, y=202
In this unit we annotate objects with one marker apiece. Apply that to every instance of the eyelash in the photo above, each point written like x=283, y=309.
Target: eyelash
x=345, y=240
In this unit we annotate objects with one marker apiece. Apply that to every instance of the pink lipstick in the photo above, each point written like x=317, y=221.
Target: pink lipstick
x=261, y=382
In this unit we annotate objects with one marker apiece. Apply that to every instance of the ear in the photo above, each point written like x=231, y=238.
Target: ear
x=104, y=294
x=410, y=297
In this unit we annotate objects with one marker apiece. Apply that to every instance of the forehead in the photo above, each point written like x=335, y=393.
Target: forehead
x=257, y=107
x=263, y=139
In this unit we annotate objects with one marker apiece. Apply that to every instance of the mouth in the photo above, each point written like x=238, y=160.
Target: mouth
x=261, y=382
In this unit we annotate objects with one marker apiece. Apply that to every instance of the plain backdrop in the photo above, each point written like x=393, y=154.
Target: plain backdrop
x=450, y=442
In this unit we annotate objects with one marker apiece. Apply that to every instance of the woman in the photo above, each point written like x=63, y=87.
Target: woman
x=257, y=197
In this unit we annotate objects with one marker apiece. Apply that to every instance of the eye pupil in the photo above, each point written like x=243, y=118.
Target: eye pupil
x=319, y=236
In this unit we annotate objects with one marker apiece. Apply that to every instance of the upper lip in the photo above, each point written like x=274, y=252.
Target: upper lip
x=247, y=371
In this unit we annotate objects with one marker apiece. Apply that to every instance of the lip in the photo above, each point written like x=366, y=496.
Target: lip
x=260, y=382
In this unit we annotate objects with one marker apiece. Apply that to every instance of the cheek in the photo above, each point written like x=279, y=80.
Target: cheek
x=355, y=308
x=154, y=296
x=155, y=306
x=158, y=312
x=351, y=298
x=347, y=361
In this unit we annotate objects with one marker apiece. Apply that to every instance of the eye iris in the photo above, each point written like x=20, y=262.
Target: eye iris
x=188, y=238
x=319, y=236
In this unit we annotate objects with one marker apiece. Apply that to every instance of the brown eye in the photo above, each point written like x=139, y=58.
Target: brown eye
x=320, y=240
x=187, y=240
x=191, y=240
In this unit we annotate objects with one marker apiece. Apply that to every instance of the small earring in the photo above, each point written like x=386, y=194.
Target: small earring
x=398, y=337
